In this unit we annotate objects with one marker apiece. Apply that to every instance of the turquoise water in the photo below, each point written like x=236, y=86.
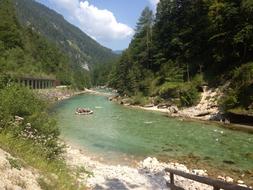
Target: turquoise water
x=114, y=130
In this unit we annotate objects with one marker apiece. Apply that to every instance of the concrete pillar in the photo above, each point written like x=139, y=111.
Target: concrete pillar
x=32, y=83
x=37, y=84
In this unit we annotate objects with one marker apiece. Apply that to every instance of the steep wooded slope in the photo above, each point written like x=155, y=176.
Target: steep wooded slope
x=81, y=48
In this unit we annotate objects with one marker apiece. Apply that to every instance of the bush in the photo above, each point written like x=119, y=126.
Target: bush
x=240, y=91
x=16, y=100
x=230, y=100
x=189, y=95
x=158, y=100
x=139, y=99
x=36, y=125
x=169, y=90
x=198, y=81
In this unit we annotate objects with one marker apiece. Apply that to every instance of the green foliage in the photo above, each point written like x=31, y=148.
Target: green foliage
x=101, y=74
x=16, y=100
x=139, y=99
x=26, y=53
x=240, y=90
x=36, y=124
x=188, y=44
x=169, y=90
x=189, y=95
x=83, y=170
x=54, y=173
x=10, y=34
x=15, y=163
x=230, y=100
x=132, y=72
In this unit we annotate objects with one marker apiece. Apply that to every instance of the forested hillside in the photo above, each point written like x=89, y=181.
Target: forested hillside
x=189, y=44
x=81, y=49
x=25, y=52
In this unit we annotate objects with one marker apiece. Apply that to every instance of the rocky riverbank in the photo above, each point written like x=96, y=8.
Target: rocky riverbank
x=207, y=109
x=15, y=176
x=58, y=94
x=149, y=174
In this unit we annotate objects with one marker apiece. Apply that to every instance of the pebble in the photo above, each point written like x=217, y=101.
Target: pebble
x=199, y=172
x=229, y=179
x=240, y=182
x=148, y=175
x=221, y=178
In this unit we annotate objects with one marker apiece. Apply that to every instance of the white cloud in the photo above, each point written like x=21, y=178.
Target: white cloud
x=154, y=2
x=101, y=24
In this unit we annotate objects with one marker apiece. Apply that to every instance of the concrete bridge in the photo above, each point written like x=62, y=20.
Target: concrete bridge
x=38, y=83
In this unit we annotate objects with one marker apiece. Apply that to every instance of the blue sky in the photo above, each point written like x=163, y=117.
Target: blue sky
x=110, y=22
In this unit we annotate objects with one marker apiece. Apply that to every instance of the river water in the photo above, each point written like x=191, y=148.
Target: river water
x=115, y=131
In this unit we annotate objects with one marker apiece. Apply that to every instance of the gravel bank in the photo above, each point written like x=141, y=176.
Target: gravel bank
x=13, y=176
x=148, y=175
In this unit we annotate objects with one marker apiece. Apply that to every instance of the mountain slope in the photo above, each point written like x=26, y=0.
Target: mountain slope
x=23, y=52
x=80, y=47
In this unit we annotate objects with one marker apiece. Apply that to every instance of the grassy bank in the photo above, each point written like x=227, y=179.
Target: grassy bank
x=30, y=134
x=54, y=174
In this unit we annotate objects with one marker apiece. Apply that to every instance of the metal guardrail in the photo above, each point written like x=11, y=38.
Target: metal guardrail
x=216, y=184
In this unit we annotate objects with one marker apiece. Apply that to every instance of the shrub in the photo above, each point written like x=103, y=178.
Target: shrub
x=240, y=91
x=158, y=100
x=139, y=99
x=230, y=100
x=198, y=80
x=37, y=126
x=169, y=90
x=189, y=95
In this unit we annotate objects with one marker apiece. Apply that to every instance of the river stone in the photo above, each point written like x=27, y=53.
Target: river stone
x=199, y=172
x=240, y=182
x=173, y=109
x=229, y=179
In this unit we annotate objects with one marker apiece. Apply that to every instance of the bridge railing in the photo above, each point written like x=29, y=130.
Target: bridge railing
x=216, y=184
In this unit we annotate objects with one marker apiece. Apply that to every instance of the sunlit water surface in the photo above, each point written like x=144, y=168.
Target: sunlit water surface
x=114, y=132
